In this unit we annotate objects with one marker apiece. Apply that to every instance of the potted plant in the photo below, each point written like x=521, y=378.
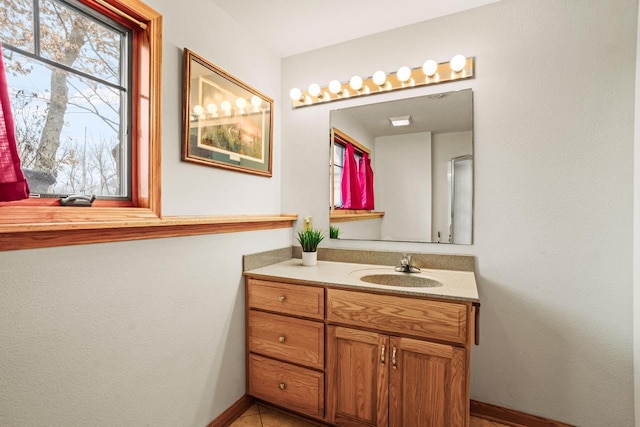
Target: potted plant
x=309, y=239
x=334, y=232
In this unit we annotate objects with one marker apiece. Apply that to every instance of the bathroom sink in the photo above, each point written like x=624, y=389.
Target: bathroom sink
x=404, y=280
x=388, y=277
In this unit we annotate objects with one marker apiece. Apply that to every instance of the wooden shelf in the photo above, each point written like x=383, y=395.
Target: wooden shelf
x=353, y=216
x=43, y=235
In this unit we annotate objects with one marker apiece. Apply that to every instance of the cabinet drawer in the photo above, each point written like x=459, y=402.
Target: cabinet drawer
x=285, y=385
x=299, y=300
x=287, y=338
x=401, y=315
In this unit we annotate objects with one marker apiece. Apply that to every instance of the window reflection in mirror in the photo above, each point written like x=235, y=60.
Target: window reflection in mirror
x=423, y=172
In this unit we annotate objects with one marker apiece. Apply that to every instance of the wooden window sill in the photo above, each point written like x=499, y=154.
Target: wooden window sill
x=354, y=215
x=50, y=234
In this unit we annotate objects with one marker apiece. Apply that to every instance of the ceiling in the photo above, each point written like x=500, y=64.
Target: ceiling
x=290, y=27
x=438, y=113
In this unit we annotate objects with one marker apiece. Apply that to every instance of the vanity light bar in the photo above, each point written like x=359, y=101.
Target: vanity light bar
x=458, y=68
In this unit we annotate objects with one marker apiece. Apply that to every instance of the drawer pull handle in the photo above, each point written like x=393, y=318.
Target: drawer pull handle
x=382, y=355
x=281, y=298
x=282, y=386
x=281, y=338
x=393, y=359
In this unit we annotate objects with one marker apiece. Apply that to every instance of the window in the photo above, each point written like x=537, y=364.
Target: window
x=340, y=140
x=84, y=80
x=69, y=77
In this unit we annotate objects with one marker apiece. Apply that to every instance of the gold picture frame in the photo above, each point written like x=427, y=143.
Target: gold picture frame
x=227, y=123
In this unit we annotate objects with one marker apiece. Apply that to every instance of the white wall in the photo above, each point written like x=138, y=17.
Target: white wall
x=188, y=188
x=148, y=332
x=369, y=229
x=553, y=148
x=125, y=334
x=636, y=237
x=355, y=130
x=402, y=186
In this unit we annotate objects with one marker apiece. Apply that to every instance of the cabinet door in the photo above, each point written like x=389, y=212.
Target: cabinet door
x=357, y=377
x=427, y=384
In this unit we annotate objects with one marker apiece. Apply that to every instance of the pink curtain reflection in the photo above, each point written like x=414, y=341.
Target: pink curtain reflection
x=365, y=178
x=13, y=186
x=351, y=196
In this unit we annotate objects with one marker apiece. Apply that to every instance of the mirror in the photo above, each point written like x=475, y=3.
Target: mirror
x=423, y=171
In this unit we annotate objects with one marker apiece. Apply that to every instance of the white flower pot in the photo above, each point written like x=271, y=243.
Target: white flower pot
x=309, y=258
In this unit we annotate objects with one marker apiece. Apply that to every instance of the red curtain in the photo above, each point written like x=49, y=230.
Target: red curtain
x=365, y=178
x=351, y=196
x=13, y=186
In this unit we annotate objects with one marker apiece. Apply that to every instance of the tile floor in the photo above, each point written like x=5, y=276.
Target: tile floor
x=262, y=416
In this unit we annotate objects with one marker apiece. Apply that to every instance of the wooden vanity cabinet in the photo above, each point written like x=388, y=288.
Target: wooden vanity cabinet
x=390, y=360
x=285, y=342
x=378, y=380
x=391, y=365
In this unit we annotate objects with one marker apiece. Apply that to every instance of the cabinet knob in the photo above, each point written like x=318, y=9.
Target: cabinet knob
x=382, y=355
x=281, y=298
x=282, y=386
x=281, y=338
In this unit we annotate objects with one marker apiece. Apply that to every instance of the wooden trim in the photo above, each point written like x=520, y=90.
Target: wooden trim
x=233, y=413
x=511, y=417
x=341, y=216
x=121, y=13
x=482, y=410
x=44, y=235
x=154, y=109
x=332, y=196
x=475, y=312
x=346, y=138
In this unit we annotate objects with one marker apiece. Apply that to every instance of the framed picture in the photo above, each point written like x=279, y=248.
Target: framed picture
x=227, y=123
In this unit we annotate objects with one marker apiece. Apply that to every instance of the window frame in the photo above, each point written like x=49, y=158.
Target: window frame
x=145, y=123
x=338, y=214
x=340, y=138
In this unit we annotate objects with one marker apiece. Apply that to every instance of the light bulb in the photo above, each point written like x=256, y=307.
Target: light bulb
x=335, y=87
x=356, y=82
x=404, y=74
x=241, y=103
x=295, y=94
x=212, y=108
x=256, y=101
x=198, y=110
x=430, y=67
x=379, y=78
x=314, y=89
x=226, y=106
x=457, y=63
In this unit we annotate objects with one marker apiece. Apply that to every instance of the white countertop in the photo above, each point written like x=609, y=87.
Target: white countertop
x=457, y=285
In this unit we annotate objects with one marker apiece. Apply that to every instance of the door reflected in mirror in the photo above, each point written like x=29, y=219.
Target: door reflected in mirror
x=422, y=186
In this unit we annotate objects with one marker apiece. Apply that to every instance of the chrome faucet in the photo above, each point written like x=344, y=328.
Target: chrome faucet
x=405, y=265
